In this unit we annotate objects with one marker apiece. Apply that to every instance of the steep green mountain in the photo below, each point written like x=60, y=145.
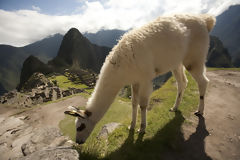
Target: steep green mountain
x=107, y=38
x=227, y=28
x=218, y=55
x=12, y=58
x=76, y=51
x=31, y=65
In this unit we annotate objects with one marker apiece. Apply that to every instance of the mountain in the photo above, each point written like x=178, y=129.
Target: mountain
x=2, y=90
x=46, y=48
x=218, y=55
x=107, y=38
x=31, y=65
x=12, y=58
x=236, y=61
x=76, y=51
x=227, y=28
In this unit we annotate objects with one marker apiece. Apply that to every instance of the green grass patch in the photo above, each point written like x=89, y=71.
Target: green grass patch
x=64, y=83
x=162, y=133
x=228, y=69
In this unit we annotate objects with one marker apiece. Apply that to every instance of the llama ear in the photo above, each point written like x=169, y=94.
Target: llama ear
x=74, y=113
x=73, y=108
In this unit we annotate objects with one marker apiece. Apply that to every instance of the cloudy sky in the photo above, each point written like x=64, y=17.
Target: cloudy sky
x=26, y=21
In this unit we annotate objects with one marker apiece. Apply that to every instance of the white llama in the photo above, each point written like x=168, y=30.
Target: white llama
x=166, y=44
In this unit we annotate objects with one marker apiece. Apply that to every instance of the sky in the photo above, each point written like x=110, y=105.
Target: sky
x=25, y=21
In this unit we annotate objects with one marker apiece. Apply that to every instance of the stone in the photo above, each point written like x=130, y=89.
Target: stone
x=59, y=141
x=107, y=129
x=9, y=124
x=66, y=93
x=53, y=154
x=4, y=151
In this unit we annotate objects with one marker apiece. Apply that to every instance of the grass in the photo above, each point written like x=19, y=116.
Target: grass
x=229, y=69
x=64, y=83
x=162, y=133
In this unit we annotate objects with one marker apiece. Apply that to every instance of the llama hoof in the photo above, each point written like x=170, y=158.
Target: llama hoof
x=173, y=109
x=198, y=113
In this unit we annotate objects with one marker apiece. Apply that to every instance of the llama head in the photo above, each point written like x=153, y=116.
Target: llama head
x=83, y=124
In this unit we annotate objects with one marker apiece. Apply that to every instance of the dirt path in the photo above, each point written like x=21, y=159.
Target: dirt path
x=217, y=135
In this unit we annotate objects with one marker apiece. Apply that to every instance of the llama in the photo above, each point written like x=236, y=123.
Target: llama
x=170, y=43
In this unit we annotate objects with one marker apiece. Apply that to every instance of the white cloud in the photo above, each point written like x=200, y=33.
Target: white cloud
x=22, y=27
x=36, y=8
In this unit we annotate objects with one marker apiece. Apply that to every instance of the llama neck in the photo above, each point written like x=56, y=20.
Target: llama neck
x=107, y=87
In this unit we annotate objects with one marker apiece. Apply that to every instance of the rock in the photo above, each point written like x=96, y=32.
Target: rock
x=53, y=154
x=107, y=129
x=3, y=150
x=28, y=148
x=1, y=119
x=58, y=92
x=43, y=138
x=66, y=93
x=9, y=124
x=76, y=90
x=24, y=117
x=45, y=135
x=19, y=139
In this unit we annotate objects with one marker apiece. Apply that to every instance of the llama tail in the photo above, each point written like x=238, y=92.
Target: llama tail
x=210, y=21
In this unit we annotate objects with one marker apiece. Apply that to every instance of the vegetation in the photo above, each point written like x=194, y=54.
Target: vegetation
x=64, y=83
x=229, y=69
x=162, y=133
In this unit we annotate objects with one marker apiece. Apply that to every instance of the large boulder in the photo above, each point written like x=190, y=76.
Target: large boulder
x=19, y=140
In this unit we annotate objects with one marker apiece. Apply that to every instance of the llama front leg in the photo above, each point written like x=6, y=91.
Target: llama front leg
x=135, y=89
x=144, y=93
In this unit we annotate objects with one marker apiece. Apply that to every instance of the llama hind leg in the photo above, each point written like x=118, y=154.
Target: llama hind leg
x=182, y=81
x=199, y=74
x=135, y=98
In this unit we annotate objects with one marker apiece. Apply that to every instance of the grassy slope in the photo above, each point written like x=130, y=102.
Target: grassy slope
x=64, y=83
x=163, y=130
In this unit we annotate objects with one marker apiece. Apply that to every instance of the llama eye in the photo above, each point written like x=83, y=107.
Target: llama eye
x=81, y=127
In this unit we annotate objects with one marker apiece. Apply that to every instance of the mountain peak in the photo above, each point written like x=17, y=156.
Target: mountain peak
x=76, y=51
x=74, y=32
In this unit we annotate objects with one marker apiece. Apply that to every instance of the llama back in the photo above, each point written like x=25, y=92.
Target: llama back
x=150, y=45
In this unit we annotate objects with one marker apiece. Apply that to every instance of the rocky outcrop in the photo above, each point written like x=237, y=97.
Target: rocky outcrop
x=19, y=140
